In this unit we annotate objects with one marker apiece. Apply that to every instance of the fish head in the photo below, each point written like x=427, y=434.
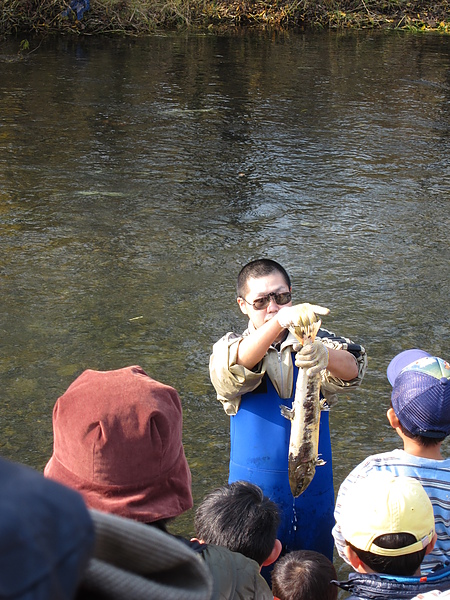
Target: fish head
x=301, y=476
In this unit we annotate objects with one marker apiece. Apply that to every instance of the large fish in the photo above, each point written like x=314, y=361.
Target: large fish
x=305, y=421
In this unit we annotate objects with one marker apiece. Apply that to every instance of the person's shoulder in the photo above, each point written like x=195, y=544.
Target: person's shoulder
x=233, y=335
x=339, y=341
x=235, y=576
x=220, y=555
x=401, y=458
x=374, y=461
x=226, y=340
x=326, y=334
x=396, y=461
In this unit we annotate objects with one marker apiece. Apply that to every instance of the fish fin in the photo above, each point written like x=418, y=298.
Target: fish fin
x=287, y=413
x=324, y=404
x=308, y=334
x=314, y=328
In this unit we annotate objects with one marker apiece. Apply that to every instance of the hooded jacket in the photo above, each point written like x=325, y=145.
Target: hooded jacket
x=384, y=587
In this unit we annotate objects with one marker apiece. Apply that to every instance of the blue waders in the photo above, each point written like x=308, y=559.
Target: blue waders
x=259, y=454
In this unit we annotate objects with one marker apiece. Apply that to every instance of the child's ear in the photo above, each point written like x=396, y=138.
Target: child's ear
x=354, y=559
x=277, y=547
x=392, y=418
x=431, y=544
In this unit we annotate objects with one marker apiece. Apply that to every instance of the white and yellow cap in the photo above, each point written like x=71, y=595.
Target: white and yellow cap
x=381, y=504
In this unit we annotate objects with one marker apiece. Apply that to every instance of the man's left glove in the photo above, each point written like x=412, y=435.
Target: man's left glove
x=313, y=357
x=300, y=315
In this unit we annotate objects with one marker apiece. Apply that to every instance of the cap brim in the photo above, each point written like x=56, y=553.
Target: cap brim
x=402, y=360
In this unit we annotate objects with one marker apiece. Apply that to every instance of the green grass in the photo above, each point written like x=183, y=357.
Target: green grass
x=140, y=17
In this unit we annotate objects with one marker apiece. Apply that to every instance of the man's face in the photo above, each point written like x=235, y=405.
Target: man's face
x=257, y=288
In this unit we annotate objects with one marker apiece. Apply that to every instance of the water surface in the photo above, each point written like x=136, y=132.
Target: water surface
x=137, y=176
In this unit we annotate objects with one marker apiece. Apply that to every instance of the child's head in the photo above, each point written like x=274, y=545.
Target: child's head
x=239, y=517
x=118, y=440
x=421, y=395
x=304, y=575
x=388, y=524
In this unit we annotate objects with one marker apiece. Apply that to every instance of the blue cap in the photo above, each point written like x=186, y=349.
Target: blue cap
x=402, y=360
x=46, y=536
x=421, y=397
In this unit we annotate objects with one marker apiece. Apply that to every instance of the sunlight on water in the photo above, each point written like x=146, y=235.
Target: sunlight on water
x=138, y=176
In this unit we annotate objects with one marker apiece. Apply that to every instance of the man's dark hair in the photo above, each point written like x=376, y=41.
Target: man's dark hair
x=304, y=575
x=405, y=565
x=239, y=517
x=259, y=268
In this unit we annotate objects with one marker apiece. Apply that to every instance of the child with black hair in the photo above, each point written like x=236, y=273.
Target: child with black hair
x=239, y=517
x=304, y=575
x=388, y=526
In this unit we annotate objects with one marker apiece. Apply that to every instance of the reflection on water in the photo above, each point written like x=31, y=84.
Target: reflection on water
x=138, y=176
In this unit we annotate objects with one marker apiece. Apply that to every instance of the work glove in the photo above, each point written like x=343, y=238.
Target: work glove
x=313, y=357
x=300, y=315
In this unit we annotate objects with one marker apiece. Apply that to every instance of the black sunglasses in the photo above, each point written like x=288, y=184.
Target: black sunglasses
x=263, y=302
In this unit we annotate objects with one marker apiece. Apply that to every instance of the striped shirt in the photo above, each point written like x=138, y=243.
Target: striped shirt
x=434, y=475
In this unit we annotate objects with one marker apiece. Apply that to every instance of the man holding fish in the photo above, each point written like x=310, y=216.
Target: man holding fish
x=255, y=373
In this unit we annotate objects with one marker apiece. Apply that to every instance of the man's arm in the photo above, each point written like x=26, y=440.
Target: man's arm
x=231, y=380
x=253, y=347
x=342, y=364
x=332, y=382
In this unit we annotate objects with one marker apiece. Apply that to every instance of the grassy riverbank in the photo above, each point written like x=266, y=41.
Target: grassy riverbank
x=137, y=17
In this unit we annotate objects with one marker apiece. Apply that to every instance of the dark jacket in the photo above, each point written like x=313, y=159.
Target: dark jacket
x=384, y=587
x=235, y=577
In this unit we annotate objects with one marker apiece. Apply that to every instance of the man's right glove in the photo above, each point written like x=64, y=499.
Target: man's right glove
x=313, y=357
x=300, y=315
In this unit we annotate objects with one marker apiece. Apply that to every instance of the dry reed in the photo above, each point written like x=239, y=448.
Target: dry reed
x=137, y=17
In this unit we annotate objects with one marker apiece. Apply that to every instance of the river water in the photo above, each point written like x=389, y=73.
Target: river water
x=138, y=175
